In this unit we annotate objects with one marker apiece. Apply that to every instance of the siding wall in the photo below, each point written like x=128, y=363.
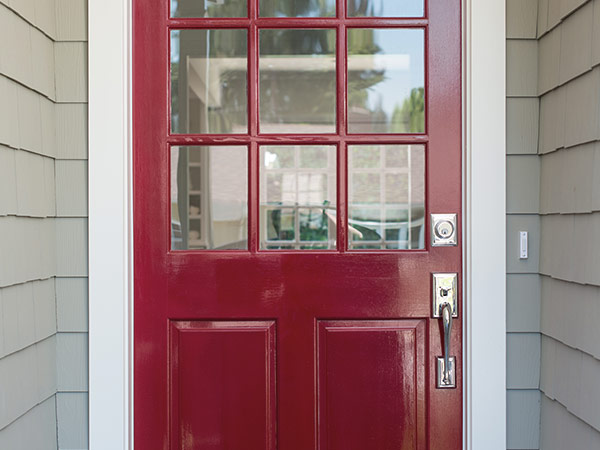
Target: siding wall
x=569, y=148
x=43, y=292
x=522, y=198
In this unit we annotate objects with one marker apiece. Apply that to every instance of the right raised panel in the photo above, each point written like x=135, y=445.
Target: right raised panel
x=371, y=385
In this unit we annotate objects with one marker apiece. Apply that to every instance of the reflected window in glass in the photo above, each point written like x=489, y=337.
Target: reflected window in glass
x=209, y=81
x=386, y=196
x=297, y=81
x=209, y=200
x=386, y=80
x=298, y=197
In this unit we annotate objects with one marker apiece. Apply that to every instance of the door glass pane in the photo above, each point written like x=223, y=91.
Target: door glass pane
x=208, y=81
x=297, y=8
x=386, y=79
x=297, y=81
x=297, y=197
x=386, y=8
x=386, y=196
x=209, y=197
x=209, y=8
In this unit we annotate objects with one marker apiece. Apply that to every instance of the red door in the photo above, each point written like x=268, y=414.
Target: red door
x=288, y=158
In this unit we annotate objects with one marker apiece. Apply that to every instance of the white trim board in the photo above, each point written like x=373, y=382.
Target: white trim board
x=110, y=225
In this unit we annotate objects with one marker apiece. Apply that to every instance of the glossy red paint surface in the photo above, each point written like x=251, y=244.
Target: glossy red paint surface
x=241, y=349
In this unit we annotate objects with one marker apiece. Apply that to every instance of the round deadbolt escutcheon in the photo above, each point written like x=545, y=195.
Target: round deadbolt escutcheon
x=444, y=229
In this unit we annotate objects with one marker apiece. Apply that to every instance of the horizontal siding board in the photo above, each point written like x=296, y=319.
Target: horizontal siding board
x=71, y=188
x=552, y=120
x=48, y=127
x=567, y=178
x=571, y=378
x=571, y=247
x=523, y=360
x=568, y=6
x=71, y=20
x=514, y=224
x=596, y=34
x=46, y=364
x=523, y=419
x=576, y=44
x=15, y=59
x=570, y=313
x=72, y=418
x=72, y=304
x=582, y=109
x=45, y=17
x=9, y=119
x=30, y=119
x=549, y=60
x=71, y=71
x=521, y=68
x=71, y=247
x=71, y=131
x=8, y=182
x=542, y=17
x=521, y=19
x=522, y=184
x=523, y=302
x=25, y=259
x=44, y=300
x=562, y=430
x=72, y=362
x=522, y=123
x=34, y=430
x=42, y=52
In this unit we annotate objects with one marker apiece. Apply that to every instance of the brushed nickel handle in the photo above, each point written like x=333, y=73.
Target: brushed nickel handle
x=446, y=312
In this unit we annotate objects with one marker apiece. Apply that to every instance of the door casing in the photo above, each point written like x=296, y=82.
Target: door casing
x=111, y=225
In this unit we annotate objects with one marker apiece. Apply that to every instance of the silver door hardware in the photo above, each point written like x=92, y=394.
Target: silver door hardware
x=444, y=290
x=443, y=230
x=446, y=366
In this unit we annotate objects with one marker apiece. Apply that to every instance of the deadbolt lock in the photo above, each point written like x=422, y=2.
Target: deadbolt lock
x=443, y=230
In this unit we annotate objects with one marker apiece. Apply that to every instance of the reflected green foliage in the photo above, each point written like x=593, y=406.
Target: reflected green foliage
x=195, y=8
x=410, y=118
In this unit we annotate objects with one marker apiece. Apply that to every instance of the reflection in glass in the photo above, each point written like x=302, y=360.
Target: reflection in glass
x=297, y=197
x=297, y=8
x=386, y=73
x=208, y=81
x=297, y=81
x=386, y=8
x=210, y=8
x=209, y=200
x=386, y=196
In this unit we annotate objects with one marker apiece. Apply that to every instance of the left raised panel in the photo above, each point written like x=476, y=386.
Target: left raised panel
x=222, y=385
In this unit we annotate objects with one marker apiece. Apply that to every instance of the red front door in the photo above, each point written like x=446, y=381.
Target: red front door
x=288, y=155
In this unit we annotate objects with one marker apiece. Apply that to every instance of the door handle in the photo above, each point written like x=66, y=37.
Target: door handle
x=446, y=311
x=446, y=366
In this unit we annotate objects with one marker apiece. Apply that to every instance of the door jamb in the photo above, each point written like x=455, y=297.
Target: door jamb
x=110, y=225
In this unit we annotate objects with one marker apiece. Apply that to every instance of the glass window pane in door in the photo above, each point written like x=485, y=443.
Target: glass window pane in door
x=297, y=8
x=386, y=8
x=209, y=198
x=297, y=81
x=209, y=81
x=386, y=80
x=297, y=197
x=209, y=8
x=386, y=197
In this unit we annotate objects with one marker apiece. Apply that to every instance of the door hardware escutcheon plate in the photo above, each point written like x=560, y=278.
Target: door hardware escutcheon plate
x=451, y=381
x=444, y=290
x=443, y=230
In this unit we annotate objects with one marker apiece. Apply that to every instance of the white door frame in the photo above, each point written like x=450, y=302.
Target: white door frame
x=110, y=225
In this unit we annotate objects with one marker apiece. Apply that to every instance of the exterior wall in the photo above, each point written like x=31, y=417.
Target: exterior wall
x=523, y=339
x=43, y=230
x=569, y=148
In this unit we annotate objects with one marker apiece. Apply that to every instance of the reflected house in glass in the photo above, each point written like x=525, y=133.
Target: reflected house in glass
x=297, y=94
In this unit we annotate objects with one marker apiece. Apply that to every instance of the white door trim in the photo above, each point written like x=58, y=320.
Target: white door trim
x=110, y=225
